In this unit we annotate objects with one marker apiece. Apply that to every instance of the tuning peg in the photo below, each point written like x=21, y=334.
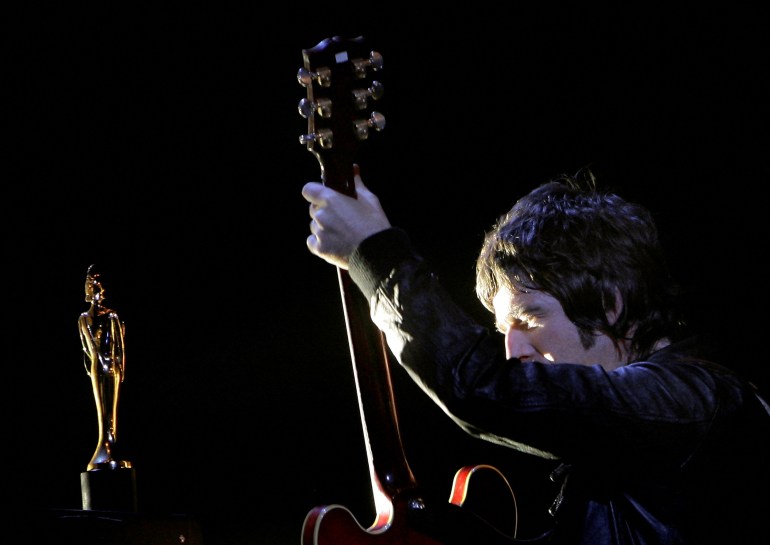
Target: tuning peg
x=322, y=75
x=376, y=121
x=323, y=106
x=323, y=137
x=360, y=65
x=360, y=96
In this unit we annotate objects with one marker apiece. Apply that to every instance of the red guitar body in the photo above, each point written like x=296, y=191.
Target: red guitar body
x=340, y=76
x=336, y=524
x=409, y=521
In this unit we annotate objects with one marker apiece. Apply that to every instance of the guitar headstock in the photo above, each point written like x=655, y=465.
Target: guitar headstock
x=339, y=75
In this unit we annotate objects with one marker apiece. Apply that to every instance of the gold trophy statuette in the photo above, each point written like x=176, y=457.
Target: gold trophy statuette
x=102, y=334
x=108, y=483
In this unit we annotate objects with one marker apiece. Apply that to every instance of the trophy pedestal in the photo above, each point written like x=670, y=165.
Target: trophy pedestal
x=66, y=526
x=109, y=489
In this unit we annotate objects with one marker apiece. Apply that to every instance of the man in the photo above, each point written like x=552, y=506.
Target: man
x=657, y=444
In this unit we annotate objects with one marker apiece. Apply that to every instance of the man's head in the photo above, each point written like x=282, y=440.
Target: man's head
x=594, y=253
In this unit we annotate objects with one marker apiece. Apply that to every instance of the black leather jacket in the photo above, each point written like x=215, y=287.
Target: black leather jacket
x=669, y=450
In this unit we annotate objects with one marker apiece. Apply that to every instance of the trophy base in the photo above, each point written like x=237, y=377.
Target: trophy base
x=67, y=526
x=109, y=489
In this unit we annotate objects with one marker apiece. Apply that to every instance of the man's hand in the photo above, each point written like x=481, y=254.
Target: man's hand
x=339, y=222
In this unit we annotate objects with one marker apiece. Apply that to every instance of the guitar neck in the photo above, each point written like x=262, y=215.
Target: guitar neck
x=341, y=92
x=389, y=468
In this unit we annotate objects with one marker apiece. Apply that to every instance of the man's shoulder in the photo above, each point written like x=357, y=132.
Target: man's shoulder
x=690, y=351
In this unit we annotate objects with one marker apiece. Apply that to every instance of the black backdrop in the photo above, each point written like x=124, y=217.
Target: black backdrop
x=162, y=145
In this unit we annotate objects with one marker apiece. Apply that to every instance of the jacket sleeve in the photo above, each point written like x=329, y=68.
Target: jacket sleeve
x=551, y=410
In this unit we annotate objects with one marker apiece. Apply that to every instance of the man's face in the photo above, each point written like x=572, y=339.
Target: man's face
x=537, y=329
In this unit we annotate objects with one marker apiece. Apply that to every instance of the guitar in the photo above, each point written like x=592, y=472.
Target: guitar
x=341, y=77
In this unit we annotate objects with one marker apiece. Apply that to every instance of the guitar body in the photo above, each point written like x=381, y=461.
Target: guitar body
x=418, y=523
x=340, y=77
x=336, y=525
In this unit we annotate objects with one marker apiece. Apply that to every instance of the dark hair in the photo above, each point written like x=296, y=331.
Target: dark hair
x=585, y=247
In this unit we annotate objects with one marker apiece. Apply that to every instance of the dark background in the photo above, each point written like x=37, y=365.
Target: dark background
x=161, y=143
